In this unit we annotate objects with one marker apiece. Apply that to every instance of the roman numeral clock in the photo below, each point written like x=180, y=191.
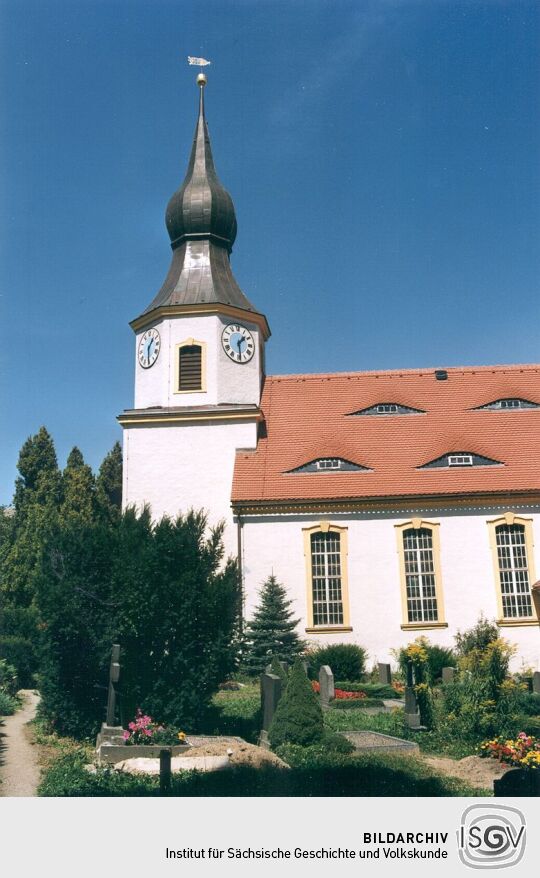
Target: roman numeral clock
x=238, y=343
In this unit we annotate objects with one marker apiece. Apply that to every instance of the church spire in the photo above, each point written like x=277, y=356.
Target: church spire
x=202, y=207
x=201, y=223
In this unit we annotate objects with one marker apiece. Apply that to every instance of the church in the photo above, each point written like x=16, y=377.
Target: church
x=391, y=504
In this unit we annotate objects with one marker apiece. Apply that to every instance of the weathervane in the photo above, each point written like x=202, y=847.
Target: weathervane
x=199, y=62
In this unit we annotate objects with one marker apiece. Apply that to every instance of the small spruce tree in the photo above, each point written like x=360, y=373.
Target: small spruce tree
x=271, y=632
x=298, y=718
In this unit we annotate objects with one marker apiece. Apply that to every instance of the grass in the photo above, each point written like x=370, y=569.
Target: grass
x=236, y=713
x=312, y=774
x=314, y=771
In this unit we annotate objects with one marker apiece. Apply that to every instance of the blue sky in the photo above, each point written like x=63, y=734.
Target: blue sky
x=383, y=158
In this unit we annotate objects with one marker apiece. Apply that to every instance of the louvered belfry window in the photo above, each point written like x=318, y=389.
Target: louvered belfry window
x=190, y=368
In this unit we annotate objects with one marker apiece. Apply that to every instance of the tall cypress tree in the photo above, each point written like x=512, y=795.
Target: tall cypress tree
x=36, y=502
x=78, y=488
x=109, y=483
x=271, y=632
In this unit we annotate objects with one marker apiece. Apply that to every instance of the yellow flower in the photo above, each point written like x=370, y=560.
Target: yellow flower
x=181, y=736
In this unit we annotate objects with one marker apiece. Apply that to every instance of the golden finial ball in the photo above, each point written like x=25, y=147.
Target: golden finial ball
x=201, y=79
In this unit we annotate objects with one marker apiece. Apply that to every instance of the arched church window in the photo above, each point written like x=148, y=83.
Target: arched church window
x=325, y=548
x=511, y=543
x=420, y=572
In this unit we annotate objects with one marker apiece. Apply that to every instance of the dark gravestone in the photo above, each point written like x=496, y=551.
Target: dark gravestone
x=412, y=714
x=448, y=675
x=326, y=685
x=536, y=682
x=114, y=678
x=518, y=782
x=270, y=695
x=385, y=674
x=111, y=733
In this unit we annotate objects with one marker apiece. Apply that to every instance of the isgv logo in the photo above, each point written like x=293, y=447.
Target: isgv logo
x=491, y=836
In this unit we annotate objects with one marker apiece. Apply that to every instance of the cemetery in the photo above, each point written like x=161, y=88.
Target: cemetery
x=285, y=733
x=151, y=683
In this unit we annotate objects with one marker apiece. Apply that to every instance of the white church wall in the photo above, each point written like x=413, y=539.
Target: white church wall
x=178, y=467
x=276, y=544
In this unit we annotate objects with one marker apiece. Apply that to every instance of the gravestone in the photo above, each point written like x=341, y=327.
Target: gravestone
x=284, y=665
x=270, y=695
x=536, y=682
x=385, y=674
x=448, y=675
x=412, y=714
x=111, y=733
x=326, y=685
x=518, y=782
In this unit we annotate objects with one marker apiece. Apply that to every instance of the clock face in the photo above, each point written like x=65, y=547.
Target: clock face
x=238, y=343
x=148, y=350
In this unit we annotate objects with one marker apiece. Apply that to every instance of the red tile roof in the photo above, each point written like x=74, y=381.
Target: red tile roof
x=306, y=418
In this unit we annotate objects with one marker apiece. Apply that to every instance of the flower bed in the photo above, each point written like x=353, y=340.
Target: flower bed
x=341, y=693
x=523, y=751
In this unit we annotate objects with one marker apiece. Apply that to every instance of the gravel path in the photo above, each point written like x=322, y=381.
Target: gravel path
x=19, y=770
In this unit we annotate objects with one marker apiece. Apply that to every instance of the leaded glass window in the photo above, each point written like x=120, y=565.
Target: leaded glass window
x=326, y=578
x=420, y=575
x=513, y=571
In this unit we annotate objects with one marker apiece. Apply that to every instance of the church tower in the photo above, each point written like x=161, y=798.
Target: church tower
x=199, y=358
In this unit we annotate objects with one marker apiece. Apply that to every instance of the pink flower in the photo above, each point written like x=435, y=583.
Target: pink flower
x=125, y=736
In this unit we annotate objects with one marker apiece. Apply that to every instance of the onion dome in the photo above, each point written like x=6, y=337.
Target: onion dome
x=202, y=207
x=201, y=223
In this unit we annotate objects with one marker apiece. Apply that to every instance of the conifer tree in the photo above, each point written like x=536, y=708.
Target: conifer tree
x=271, y=632
x=36, y=502
x=78, y=487
x=109, y=482
x=298, y=718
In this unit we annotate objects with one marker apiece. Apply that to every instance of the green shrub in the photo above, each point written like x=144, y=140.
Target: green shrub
x=529, y=724
x=20, y=621
x=346, y=660
x=8, y=704
x=477, y=638
x=298, y=718
x=161, y=592
x=9, y=682
x=439, y=657
x=530, y=703
x=20, y=653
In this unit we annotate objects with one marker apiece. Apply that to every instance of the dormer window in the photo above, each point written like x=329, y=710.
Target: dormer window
x=510, y=402
x=460, y=460
x=329, y=464
x=389, y=408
